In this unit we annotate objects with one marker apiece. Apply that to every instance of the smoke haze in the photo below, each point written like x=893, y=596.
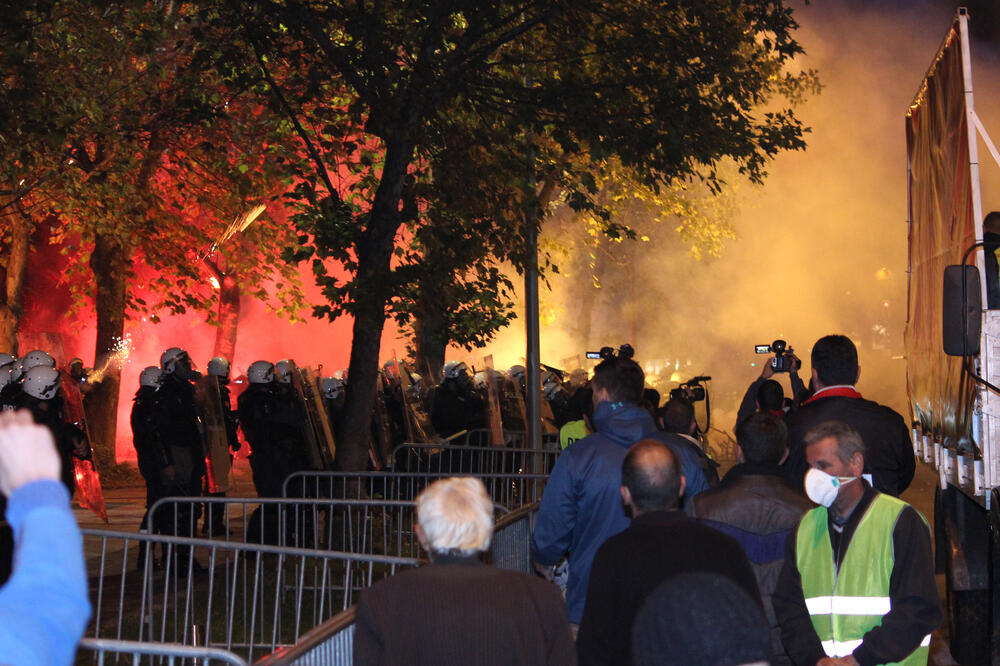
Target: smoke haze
x=821, y=247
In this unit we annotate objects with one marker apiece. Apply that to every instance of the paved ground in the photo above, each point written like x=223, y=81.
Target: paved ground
x=126, y=507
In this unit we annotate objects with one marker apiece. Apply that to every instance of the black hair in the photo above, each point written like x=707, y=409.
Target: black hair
x=770, y=395
x=763, y=438
x=652, y=475
x=580, y=404
x=835, y=360
x=677, y=415
x=652, y=397
x=622, y=378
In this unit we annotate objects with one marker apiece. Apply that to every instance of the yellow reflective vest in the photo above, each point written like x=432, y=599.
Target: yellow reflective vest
x=845, y=603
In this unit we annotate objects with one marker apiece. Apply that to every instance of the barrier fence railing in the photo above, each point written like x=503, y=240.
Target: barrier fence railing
x=246, y=598
x=374, y=527
x=332, y=643
x=508, y=490
x=515, y=439
x=471, y=459
x=101, y=651
x=510, y=547
x=329, y=644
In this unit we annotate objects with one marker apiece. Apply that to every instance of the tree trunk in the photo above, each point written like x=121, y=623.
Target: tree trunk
x=12, y=276
x=109, y=263
x=228, y=318
x=430, y=338
x=374, y=251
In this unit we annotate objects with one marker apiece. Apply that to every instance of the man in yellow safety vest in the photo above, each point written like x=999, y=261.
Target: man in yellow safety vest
x=857, y=587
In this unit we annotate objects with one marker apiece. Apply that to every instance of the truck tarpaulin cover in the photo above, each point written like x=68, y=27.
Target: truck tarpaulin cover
x=941, y=229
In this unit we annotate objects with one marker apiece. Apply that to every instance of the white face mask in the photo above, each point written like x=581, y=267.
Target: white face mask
x=823, y=488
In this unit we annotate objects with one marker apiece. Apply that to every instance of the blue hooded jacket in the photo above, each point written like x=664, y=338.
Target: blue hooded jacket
x=582, y=504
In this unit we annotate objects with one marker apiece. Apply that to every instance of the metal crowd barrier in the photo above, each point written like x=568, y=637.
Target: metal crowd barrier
x=100, y=651
x=243, y=597
x=517, y=439
x=329, y=644
x=511, y=544
x=373, y=527
x=332, y=643
x=471, y=459
x=508, y=490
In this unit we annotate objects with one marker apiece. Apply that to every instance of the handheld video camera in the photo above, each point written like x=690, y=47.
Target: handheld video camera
x=780, y=362
x=625, y=351
x=692, y=390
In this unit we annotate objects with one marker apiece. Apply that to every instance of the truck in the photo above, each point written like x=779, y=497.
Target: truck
x=953, y=341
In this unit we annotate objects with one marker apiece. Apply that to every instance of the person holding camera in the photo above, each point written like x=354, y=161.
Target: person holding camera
x=766, y=394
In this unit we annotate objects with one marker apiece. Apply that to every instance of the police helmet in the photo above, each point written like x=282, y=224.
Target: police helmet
x=6, y=377
x=260, y=372
x=170, y=358
x=283, y=371
x=480, y=379
x=455, y=370
x=35, y=358
x=42, y=382
x=333, y=387
x=218, y=367
x=7, y=359
x=150, y=376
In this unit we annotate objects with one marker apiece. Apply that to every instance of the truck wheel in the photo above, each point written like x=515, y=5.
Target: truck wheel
x=994, y=623
x=968, y=596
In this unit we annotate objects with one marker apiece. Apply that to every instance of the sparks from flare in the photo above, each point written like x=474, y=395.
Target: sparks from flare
x=118, y=356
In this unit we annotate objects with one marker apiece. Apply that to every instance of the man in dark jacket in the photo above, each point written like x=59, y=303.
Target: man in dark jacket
x=179, y=424
x=273, y=425
x=153, y=456
x=835, y=371
x=457, y=610
x=582, y=506
x=757, y=508
x=660, y=543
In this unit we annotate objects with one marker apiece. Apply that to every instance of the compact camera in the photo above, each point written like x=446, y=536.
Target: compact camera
x=781, y=362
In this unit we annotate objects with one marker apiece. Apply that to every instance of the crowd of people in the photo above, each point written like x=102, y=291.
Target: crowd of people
x=802, y=553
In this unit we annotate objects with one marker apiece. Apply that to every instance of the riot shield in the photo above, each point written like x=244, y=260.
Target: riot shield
x=320, y=446
x=381, y=441
x=494, y=415
x=419, y=427
x=548, y=418
x=213, y=418
x=89, y=494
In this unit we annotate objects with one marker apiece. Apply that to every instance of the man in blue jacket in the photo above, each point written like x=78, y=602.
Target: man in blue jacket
x=582, y=504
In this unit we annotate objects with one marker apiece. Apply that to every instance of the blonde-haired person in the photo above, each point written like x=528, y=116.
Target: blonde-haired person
x=457, y=610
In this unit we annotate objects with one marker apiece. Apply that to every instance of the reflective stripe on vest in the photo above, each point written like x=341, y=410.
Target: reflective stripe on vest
x=845, y=604
x=848, y=647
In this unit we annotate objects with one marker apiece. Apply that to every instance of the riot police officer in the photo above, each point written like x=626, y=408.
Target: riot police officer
x=178, y=424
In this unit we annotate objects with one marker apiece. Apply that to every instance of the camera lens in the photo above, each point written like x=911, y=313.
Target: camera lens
x=778, y=346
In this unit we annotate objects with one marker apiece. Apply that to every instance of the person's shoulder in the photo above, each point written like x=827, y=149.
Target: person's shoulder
x=882, y=411
x=508, y=579
x=908, y=514
x=704, y=502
